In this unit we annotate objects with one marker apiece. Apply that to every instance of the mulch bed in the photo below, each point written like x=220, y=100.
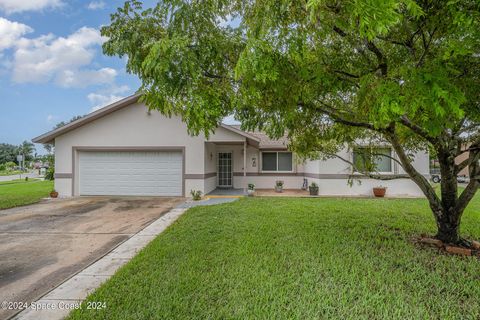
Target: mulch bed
x=473, y=250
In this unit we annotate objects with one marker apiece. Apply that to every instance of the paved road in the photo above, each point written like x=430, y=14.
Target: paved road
x=18, y=176
x=44, y=244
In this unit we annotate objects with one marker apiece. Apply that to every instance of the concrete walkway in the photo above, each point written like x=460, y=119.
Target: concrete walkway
x=227, y=192
x=207, y=202
x=58, y=303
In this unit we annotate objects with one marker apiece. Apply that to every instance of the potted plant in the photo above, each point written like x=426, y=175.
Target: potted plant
x=379, y=191
x=196, y=195
x=313, y=188
x=53, y=194
x=279, y=186
x=251, y=190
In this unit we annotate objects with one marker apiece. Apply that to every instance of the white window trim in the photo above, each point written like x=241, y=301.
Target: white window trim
x=392, y=163
x=275, y=171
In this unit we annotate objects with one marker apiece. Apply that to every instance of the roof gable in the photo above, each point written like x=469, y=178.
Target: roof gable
x=50, y=136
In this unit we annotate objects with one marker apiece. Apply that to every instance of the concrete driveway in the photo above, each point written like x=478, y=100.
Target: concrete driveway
x=44, y=244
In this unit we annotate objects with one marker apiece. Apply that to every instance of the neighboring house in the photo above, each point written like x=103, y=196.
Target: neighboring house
x=464, y=156
x=123, y=149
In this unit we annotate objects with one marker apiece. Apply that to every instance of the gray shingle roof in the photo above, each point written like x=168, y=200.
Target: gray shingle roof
x=265, y=141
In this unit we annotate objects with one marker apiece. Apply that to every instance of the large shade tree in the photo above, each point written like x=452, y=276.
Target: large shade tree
x=328, y=73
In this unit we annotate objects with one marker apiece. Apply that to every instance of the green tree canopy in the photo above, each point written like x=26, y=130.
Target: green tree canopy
x=27, y=149
x=64, y=123
x=8, y=153
x=328, y=73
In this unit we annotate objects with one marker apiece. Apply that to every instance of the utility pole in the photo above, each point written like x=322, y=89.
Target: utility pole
x=20, y=160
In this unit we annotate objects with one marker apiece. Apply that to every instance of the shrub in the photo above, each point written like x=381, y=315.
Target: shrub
x=196, y=195
x=9, y=165
x=251, y=186
x=279, y=183
x=50, y=174
x=313, y=188
x=3, y=167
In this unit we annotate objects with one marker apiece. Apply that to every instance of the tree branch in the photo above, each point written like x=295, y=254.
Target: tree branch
x=426, y=46
x=420, y=180
x=382, y=61
x=387, y=156
x=216, y=76
x=337, y=118
x=384, y=177
x=339, y=31
x=400, y=43
x=472, y=187
x=346, y=74
x=417, y=129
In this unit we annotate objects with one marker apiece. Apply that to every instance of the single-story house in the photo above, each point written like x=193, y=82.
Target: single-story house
x=123, y=149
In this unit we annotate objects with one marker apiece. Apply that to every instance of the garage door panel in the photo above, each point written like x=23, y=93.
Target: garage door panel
x=130, y=173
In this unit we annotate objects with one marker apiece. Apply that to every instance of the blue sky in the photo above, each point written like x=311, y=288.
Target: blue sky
x=52, y=67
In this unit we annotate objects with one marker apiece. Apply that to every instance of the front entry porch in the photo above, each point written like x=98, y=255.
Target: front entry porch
x=227, y=192
x=230, y=166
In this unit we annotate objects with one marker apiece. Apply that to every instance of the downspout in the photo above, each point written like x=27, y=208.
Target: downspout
x=245, y=166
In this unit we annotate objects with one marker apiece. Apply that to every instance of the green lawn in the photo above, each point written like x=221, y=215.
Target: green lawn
x=280, y=258
x=20, y=192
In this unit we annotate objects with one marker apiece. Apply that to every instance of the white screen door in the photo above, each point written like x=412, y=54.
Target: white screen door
x=225, y=169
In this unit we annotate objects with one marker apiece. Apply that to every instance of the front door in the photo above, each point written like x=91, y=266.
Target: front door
x=224, y=169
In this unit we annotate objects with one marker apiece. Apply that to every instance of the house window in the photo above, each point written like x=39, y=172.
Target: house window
x=277, y=161
x=373, y=159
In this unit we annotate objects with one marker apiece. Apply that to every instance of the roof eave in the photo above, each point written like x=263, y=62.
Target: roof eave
x=240, y=132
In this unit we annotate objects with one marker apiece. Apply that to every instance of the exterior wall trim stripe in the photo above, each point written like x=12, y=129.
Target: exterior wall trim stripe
x=309, y=175
x=194, y=176
x=63, y=175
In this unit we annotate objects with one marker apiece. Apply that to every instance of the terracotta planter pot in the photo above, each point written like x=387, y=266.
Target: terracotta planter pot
x=379, y=192
x=53, y=194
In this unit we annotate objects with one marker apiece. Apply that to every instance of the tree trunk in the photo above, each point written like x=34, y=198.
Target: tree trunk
x=448, y=228
x=448, y=221
x=447, y=209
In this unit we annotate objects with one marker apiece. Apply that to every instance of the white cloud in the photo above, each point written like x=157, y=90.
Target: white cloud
x=60, y=59
x=107, y=96
x=11, y=6
x=119, y=89
x=51, y=117
x=11, y=32
x=85, y=78
x=96, y=5
x=102, y=100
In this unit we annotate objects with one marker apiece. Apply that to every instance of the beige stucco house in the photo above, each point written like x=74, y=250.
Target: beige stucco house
x=123, y=149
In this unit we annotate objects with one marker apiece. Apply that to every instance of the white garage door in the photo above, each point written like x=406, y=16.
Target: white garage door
x=130, y=173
